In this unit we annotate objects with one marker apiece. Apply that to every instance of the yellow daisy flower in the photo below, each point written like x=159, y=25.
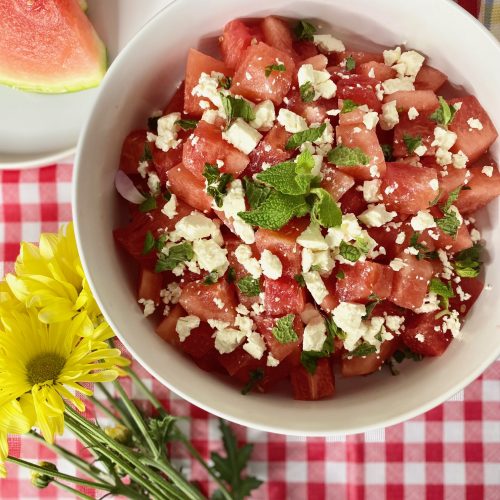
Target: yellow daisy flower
x=50, y=278
x=47, y=364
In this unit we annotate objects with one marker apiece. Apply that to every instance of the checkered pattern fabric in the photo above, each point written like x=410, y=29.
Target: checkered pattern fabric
x=451, y=452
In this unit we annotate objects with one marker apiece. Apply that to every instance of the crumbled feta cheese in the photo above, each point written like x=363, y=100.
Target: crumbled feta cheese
x=321, y=83
x=422, y=221
x=392, y=56
x=412, y=61
x=376, y=215
x=430, y=304
x=328, y=43
x=460, y=159
x=271, y=265
x=228, y=339
x=443, y=157
x=154, y=183
x=475, y=235
x=149, y=306
x=333, y=112
x=264, y=116
x=451, y=323
x=390, y=116
x=371, y=190
x=487, y=170
x=242, y=310
x=195, y=226
x=474, y=123
x=322, y=260
x=395, y=84
x=314, y=335
x=413, y=113
x=443, y=138
x=434, y=184
x=463, y=296
x=291, y=121
x=142, y=168
x=397, y=264
x=208, y=87
x=232, y=204
x=245, y=257
x=242, y=136
x=210, y=256
x=349, y=318
x=420, y=337
x=400, y=238
x=210, y=115
x=167, y=132
x=184, y=326
x=447, y=266
x=349, y=230
x=394, y=323
x=370, y=120
x=312, y=238
x=272, y=362
x=169, y=209
x=218, y=302
x=420, y=150
x=255, y=345
x=315, y=286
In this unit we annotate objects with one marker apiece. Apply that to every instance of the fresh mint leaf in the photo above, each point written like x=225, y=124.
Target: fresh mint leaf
x=444, y=114
x=211, y=278
x=283, y=330
x=304, y=163
x=255, y=193
x=348, y=105
x=284, y=178
x=307, y=92
x=148, y=204
x=254, y=378
x=249, y=286
x=187, y=124
x=349, y=252
x=276, y=211
x=340, y=275
x=211, y=173
x=309, y=135
x=160, y=242
x=411, y=142
x=149, y=243
x=300, y=280
x=334, y=330
x=350, y=63
x=442, y=290
x=304, y=30
x=370, y=306
x=216, y=183
x=237, y=107
x=363, y=349
x=388, y=152
x=452, y=198
x=325, y=210
x=449, y=223
x=309, y=359
x=401, y=354
x=274, y=67
x=348, y=157
x=229, y=469
x=230, y=275
x=467, y=263
x=176, y=255
x=147, y=155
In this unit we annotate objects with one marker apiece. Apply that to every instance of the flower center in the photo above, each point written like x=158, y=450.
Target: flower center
x=44, y=368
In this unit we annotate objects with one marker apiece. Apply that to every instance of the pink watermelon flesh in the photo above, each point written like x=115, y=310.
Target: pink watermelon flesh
x=49, y=46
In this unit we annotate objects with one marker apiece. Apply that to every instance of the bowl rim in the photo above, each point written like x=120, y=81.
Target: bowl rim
x=252, y=423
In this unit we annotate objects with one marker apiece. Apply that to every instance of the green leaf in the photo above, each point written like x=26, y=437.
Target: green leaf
x=349, y=252
x=225, y=82
x=467, y=263
x=325, y=210
x=230, y=468
x=449, y=223
x=309, y=135
x=231, y=275
x=370, y=306
x=274, y=67
x=334, y=330
x=216, y=183
x=283, y=330
x=350, y=63
x=176, y=255
x=285, y=178
x=249, y=286
x=309, y=359
x=452, y=198
x=147, y=155
x=340, y=275
x=255, y=193
x=348, y=157
x=348, y=105
x=444, y=114
x=160, y=242
x=401, y=354
x=304, y=30
x=211, y=278
x=149, y=243
x=254, y=377
x=363, y=349
x=388, y=151
x=211, y=173
x=443, y=290
x=307, y=92
x=236, y=107
x=300, y=280
x=148, y=204
x=411, y=142
x=187, y=124
x=276, y=211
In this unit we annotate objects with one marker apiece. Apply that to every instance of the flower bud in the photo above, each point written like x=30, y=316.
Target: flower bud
x=120, y=434
x=41, y=480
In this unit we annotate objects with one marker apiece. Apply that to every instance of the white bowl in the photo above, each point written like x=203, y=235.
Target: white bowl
x=141, y=80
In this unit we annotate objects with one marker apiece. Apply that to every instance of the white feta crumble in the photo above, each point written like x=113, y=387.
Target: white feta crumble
x=291, y=121
x=413, y=113
x=443, y=138
x=475, y=235
x=149, y=306
x=208, y=87
x=430, y=304
x=314, y=335
x=255, y=345
x=195, y=226
x=474, y=123
x=264, y=116
x=420, y=337
x=371, y=190
x=376, y=215
x=232, y=204
x=394, y=323
x=392, y=56
x=320, y=81
x=271, y=265
x=320, y=260
x=460, y=159
x=245, y=257
x=315, y=285
x=487, y=170
x=434, y=184
x=422, y=221
x=395, y=84
x=219, y=303
x=227, y=339
x=242, y=310
x=451, y=323
x=412, y=62
x=349, y=230
x=167, y=132
x=390, y=116
x=272, y=362
x=210, y=115
x=420, y=150
x=463, y=296
x=170, y=208
x=142, y=168
x=370, y=120
x=185, y=325
x=242, y=136
x=328, y=43
x=210, y=256
x=397, y=264
x=312, y=238
x=400, y=238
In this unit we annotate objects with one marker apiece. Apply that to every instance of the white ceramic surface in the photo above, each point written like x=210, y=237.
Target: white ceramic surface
x=38, y=129
x=438, y=28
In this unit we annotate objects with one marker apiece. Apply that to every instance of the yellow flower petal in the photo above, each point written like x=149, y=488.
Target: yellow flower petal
x=13, y=420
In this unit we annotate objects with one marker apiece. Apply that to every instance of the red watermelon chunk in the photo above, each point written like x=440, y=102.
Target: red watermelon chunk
x=164, y=161
x=471, y=141
x=419, y=127
x=176, y=103
x=429, y=78
x=132, y=151
x=360, y=57
x=283, y=296
x=337, y=183
x=353, y=202
x=235, y=40
x=471, y=289
x=166, y=329
x=310, y=387
x=377, y=70
x=360, y=89
x=304, y=49
x=277, y=34
x=313, y=112
x=199, y=343
x=265, y=325
x=260, y=87
x=424, y=101
x=150, y=285
x=460, y=241
x=435, y=342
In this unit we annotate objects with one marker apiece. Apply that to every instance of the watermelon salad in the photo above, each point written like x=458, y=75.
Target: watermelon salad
x=300, y=210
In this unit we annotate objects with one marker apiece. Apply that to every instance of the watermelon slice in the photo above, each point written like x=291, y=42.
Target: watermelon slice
x=49, y=46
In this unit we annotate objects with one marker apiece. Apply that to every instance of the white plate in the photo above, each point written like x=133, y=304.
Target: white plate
x=38, y=129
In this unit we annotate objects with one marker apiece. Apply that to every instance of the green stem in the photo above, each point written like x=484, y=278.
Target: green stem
x=151, y=397
x=73, y=491
x=106, y=410
x=60, y=475
x=126, y=421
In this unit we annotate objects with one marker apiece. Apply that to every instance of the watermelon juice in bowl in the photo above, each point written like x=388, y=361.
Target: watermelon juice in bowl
x=301, y=211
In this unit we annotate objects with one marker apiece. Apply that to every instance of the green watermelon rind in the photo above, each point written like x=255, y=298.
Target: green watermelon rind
x=84, y=82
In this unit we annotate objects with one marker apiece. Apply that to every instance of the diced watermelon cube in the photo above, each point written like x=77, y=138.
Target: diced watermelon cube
x=310, y=387
x=176, y=103
x=429, y=78
x=471, y=141
x=424, y=101
x=447, y=183
x=331, y=301
x=283, y=296
x=277, y=34
x=164, y=161
x=470, y=286
x=199, y=299
x=419, y=127
x=408, y=189
x=460, y=241
x=265, y=325
x=198, y=63
x=360, y=57
x=259, y=87
x=360, y=89
x=235, y=361
x=377, y=70
x=313, y=112
x=352, y=202
x=304, y=49
x=337, y=183
x=200, y=342
x=132, y=151
x=234, y=41
x=150, y=285
x=166, y=329
x=435, y=342
x=409, y=285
